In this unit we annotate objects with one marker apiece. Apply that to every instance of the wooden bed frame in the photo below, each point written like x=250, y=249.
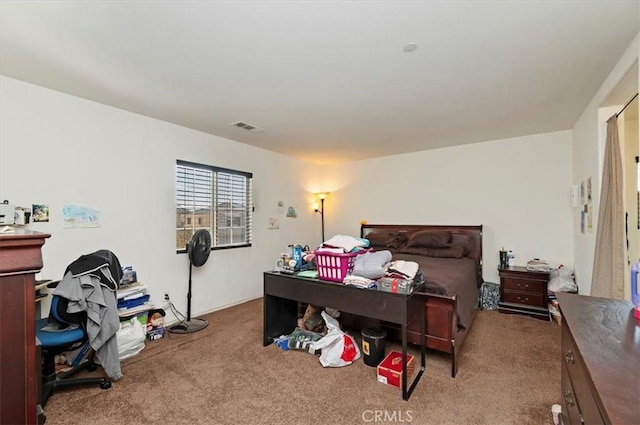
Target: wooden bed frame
x=442, y=333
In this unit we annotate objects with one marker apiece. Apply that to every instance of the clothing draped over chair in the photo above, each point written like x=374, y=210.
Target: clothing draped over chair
x=90, y=286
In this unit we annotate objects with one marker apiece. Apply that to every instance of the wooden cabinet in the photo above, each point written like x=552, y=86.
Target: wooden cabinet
x=20, y=259
x=600, y=361
x=523, y=291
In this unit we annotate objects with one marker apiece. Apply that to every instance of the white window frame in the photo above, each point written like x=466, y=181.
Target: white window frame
x=223, y=195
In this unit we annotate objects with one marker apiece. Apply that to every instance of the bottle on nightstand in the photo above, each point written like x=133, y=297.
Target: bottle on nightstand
x=511, y=259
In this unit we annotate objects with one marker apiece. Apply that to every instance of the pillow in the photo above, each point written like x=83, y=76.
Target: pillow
x=463, y=240
x=386, y=239
x=397, y=239
x=430, y=239
x=378, y=238
x=451, y=251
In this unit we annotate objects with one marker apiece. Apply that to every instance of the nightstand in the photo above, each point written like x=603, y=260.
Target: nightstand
x=523, y=291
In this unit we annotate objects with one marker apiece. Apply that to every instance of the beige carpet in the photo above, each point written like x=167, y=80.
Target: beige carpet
x=509, y=373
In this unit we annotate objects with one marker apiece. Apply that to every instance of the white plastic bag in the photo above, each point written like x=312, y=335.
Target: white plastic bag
x=561, y=280
x=337, y=348
x=131, y=338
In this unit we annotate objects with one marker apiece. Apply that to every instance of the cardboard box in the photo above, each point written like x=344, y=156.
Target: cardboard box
x=390, y=369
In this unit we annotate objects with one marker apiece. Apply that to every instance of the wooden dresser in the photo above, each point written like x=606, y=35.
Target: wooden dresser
x=600, y=361
x=523, y=291
x=20, y=259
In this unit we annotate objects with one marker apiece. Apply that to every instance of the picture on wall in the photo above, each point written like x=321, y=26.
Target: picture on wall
x=75, y=216
x=40, y=213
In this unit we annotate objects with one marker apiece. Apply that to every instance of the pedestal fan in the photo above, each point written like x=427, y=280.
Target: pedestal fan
x=198, y=250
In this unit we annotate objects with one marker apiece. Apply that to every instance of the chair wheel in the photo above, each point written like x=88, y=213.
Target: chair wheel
x=105, y=385
x=92, y=367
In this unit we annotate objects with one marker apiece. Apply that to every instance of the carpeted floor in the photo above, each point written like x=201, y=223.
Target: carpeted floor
x=509, y=373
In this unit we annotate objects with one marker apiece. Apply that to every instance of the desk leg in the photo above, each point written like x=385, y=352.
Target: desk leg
x=280, y=317
x=423, y=339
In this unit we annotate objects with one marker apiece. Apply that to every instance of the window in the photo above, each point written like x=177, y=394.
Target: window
x=218, y=199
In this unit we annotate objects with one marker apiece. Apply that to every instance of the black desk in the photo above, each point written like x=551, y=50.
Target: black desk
x=283, y=292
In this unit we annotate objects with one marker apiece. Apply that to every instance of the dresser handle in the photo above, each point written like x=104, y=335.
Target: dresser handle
x=525, y=300
x=525, y=286
x=569, y=357
x=568, y=399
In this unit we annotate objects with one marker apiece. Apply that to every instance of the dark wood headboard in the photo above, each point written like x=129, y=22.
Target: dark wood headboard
x=474, y=232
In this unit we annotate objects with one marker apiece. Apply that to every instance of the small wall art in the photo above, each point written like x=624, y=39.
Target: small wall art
x=40, y=213
x=76, y=216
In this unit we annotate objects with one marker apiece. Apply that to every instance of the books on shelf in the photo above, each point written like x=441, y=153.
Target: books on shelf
x=133, y=299
x=131, y=289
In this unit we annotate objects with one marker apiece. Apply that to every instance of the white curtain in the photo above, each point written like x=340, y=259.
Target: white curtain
x=609, y=263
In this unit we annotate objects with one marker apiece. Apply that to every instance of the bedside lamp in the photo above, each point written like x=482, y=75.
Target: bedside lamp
x=320, y=208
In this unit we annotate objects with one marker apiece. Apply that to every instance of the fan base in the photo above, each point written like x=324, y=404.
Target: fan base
x=188, y=326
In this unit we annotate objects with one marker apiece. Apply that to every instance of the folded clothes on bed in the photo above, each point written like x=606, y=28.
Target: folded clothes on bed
x=405, y=269
x=371, y=265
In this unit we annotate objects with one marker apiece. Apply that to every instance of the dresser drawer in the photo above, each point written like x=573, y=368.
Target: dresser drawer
x=527, y=298
x=576, y=371
x=570, y=412
x=525, y=285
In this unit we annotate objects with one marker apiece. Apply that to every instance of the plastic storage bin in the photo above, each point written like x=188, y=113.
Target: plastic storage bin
x=335, y=266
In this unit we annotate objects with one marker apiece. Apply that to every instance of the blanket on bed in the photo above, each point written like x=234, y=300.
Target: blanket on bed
x=449, y=276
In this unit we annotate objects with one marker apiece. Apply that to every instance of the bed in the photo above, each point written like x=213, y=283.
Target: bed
x=452, y=274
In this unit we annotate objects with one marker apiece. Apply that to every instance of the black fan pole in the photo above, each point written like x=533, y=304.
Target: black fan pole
x=193, y=325
x=189, y=294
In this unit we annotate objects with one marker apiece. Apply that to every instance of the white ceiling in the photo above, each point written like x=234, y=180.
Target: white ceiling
x=327, y=80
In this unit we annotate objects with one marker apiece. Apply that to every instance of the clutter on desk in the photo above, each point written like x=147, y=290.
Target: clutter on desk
x=349, y=260
x=294, y=258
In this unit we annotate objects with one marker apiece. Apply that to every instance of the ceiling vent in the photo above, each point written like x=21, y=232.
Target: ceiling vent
x=248, y=127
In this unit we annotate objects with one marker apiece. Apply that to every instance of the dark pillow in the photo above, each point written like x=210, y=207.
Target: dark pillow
x=463, y=240
x=451, y=251
x=386, y=239
x=378, y=239
x=430, y=239
x=397, y=239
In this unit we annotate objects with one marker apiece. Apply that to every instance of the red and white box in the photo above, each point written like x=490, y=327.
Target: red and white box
x=390, y=369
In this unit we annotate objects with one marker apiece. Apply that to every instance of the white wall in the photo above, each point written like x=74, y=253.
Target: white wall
x=59, y=149
x=518, y=189
x=630, y=129
x=588, y=143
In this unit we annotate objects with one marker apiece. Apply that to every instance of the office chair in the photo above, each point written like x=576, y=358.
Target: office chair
x=58, y=341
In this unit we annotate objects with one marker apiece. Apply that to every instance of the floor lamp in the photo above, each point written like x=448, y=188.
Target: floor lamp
x=320, y=209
